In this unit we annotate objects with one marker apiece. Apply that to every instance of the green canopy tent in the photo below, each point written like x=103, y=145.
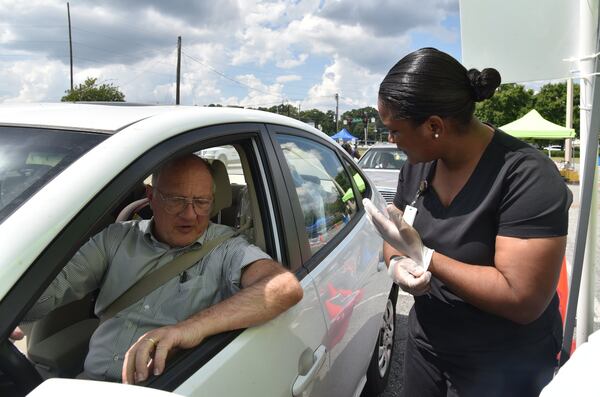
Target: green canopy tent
x=533, y=125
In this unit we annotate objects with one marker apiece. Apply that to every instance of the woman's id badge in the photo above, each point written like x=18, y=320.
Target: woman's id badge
x=410, y=213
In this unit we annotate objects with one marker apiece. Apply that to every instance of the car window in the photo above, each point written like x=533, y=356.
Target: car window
x=29, y=158
x=323, y=188
x=384, y=158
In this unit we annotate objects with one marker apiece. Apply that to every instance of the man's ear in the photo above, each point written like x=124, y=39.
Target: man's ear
x=149, y=192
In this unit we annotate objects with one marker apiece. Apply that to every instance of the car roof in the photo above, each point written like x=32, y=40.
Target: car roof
x=113, y=117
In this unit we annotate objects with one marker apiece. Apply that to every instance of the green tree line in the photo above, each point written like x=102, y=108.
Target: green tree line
x=510, y=102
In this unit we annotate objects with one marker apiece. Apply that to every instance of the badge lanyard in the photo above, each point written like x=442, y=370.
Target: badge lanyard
x=410, y=211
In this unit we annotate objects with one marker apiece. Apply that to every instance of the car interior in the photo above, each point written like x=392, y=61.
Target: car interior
x=58, y=343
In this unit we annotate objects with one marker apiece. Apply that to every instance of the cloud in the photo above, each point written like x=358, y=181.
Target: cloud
x=32, y=81
x=388, y=18
x=239, y=52
x=288, y=78
x=356, y=85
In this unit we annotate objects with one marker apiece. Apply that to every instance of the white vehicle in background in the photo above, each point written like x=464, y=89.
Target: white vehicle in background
x=552, y=148
x=225, y=154
x=382, y=163
x=69, y=170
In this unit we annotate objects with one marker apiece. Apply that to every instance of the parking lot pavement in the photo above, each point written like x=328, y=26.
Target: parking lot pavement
x=405, y=302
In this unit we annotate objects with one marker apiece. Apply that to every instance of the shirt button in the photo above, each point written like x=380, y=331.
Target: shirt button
x=116, y=357
x=146, y=307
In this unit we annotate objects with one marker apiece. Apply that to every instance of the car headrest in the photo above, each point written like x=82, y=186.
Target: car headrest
x=223, y=195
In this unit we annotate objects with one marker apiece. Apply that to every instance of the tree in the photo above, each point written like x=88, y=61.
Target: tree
x=551, y=103
x=509, y=103
x=284, y=109
x=325, y=119
x=91, y=91
x=355, y=122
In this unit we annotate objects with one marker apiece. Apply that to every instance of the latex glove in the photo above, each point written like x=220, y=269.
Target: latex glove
x=409, y=275
x=399, y=234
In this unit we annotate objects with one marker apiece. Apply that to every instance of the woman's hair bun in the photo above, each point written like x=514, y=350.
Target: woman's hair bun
x=484, y=83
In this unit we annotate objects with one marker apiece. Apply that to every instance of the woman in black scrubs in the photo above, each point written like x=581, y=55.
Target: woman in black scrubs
x=490, y=221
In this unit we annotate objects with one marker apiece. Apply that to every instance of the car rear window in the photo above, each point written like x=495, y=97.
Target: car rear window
x=30, y=157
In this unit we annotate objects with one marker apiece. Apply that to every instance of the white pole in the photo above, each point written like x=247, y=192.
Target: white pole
x=569, y=121
x=588, y=17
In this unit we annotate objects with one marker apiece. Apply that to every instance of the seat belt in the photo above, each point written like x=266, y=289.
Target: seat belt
x=158, y=277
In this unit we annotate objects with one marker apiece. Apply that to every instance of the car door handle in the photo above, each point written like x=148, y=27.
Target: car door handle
x=302, y=381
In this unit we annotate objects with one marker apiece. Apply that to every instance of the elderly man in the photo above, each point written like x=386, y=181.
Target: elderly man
x=235, y=285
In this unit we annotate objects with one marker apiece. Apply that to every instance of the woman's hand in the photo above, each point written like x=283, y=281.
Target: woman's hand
x=410, y=276
x=399, y=234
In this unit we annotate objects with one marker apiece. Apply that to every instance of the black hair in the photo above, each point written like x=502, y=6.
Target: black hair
x=429, y=82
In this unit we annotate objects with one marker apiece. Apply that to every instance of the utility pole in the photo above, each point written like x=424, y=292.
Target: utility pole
x=178, y=70
x=70, y=43
x=366, y=122
x=569, y=121
x=337, y=103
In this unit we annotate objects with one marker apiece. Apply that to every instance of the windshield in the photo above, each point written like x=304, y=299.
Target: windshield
x=30, y=157
x=384, y=158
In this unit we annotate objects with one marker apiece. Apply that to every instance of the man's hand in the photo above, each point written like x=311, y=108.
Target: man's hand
x=398, y=233
x=149, y=354
x=17, y=334
x=409, y=275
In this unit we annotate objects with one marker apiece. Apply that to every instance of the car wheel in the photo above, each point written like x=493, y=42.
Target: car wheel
x=381, y=361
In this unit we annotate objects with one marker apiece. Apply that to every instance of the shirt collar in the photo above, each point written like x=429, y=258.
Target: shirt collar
x=146, y=226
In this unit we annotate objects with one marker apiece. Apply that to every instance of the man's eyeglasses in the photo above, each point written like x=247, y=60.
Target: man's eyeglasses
x=174, y=205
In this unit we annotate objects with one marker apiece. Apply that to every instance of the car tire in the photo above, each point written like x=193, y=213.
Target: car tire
x=381, y=361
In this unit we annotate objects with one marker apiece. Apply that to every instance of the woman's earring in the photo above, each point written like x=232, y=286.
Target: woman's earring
x=436, y=135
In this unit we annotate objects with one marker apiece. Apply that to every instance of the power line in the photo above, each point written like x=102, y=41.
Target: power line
x=228, y=77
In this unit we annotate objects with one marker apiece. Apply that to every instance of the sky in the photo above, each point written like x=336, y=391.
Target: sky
x=234, y=52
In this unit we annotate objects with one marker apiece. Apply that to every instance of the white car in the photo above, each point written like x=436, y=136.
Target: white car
x=69, y=170
x=225, y=154
x=382, y=163
x=551, y=148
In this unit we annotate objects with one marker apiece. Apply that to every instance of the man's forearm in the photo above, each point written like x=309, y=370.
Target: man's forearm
x=253, y=305
x=268, y=290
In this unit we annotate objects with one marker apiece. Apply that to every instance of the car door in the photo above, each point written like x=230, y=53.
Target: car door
x=285, y=356
x=341, y=252
x=273, y=359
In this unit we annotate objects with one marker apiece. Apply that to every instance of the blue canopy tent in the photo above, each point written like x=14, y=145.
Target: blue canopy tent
x=343, y=135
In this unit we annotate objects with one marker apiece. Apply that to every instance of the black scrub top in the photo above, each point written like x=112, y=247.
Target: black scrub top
x=514, y=191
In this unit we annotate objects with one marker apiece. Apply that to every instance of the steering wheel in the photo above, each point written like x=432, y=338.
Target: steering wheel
x=18, y=368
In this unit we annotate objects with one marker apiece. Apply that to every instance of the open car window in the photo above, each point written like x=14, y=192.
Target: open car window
x=58, y=342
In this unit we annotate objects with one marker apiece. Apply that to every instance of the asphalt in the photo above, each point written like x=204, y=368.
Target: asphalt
x=406, y=301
